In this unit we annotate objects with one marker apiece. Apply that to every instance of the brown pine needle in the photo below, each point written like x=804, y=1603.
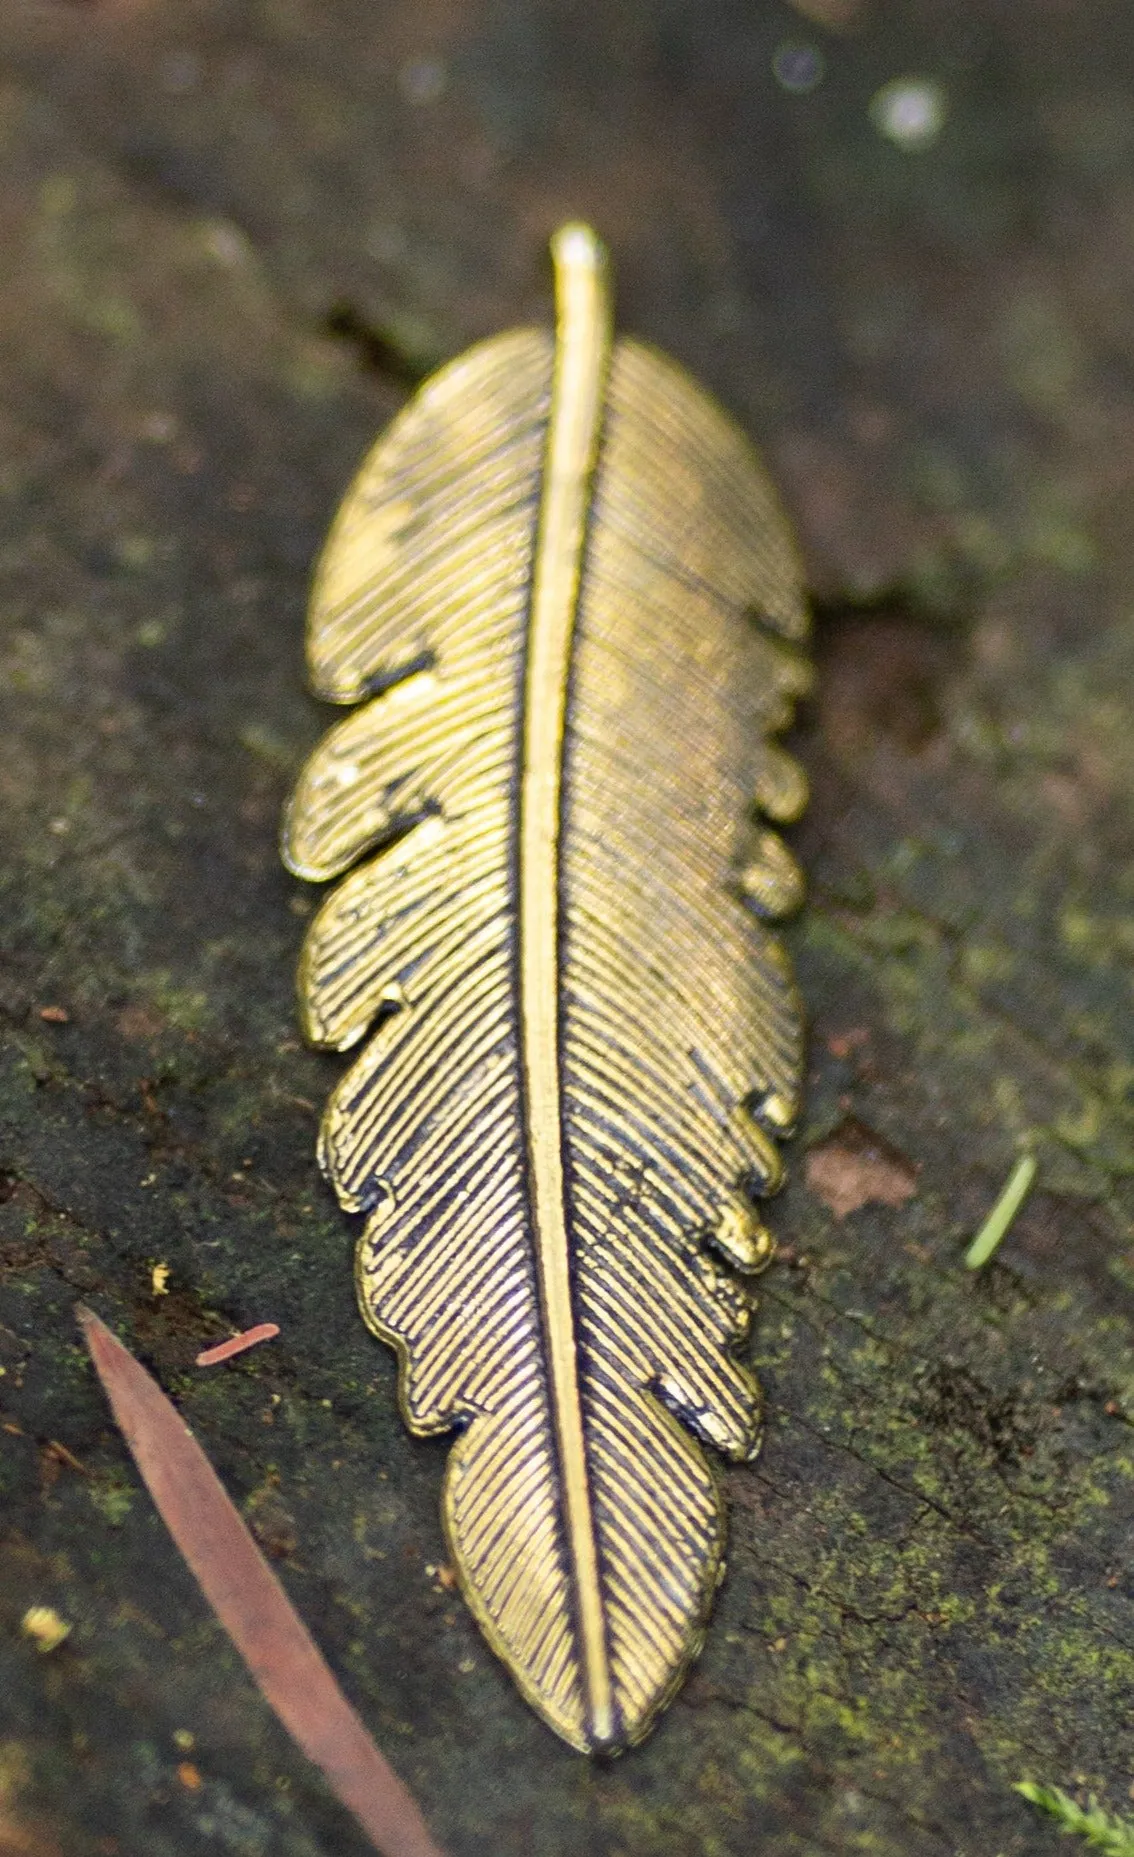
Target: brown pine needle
x=236, y=1344
x=251, y=1604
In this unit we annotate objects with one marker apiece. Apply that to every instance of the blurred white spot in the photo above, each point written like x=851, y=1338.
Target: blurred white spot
x=159, y=428
x=798, y=68
x=909, y=111
x=423, y=80
x=226, y=242
x=181, y=72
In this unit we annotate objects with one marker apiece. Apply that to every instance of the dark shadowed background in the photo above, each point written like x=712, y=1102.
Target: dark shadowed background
x=898, y=240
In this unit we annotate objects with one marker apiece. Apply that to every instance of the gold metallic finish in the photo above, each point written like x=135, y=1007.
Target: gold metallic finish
x=563, y=595
x=581, y=354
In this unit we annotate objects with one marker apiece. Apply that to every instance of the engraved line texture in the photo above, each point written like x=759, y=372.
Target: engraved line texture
x=565, y=601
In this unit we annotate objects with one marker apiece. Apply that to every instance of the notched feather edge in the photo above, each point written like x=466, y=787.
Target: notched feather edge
x=663, y=1390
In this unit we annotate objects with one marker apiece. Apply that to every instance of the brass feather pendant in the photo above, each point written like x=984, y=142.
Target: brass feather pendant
x=564, y=596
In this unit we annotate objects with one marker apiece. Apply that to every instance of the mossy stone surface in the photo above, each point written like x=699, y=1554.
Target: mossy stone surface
x=232, y=233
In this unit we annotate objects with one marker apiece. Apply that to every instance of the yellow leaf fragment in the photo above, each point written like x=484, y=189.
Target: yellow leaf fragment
x=45, y=1628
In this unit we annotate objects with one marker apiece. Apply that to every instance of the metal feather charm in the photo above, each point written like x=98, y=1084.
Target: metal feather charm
x=563, y=594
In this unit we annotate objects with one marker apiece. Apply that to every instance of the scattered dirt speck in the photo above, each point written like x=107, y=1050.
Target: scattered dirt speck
x=857, y=1167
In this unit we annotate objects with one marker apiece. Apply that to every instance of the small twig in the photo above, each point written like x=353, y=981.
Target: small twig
x=996, y=1225
x=62, y=1455
x=236, y=1344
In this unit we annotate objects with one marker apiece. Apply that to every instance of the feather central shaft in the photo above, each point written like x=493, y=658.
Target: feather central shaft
x=581, y=356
